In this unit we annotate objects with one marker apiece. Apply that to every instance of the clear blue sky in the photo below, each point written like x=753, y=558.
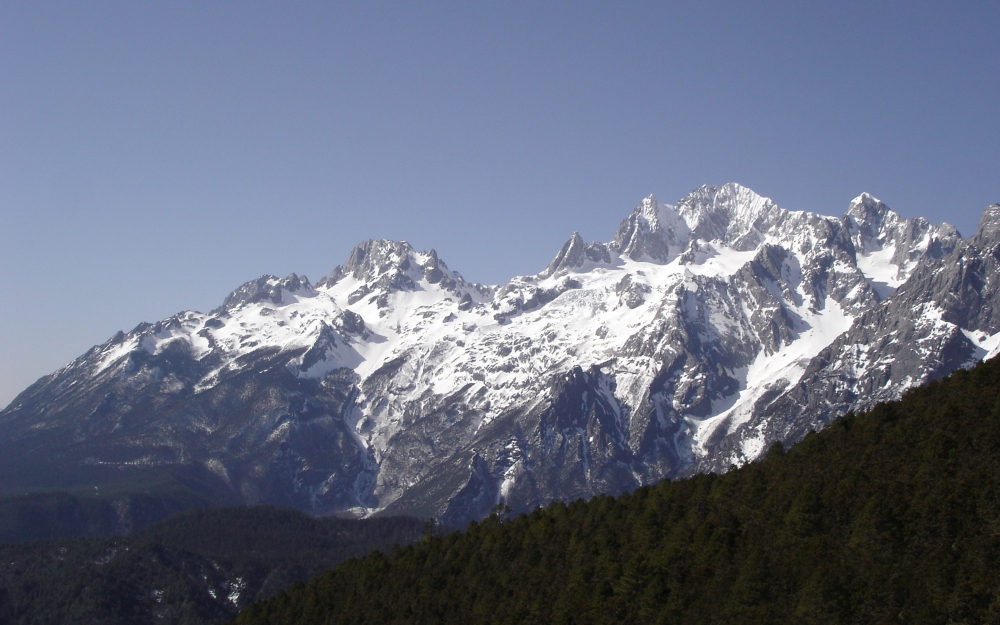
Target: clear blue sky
x=156, y=155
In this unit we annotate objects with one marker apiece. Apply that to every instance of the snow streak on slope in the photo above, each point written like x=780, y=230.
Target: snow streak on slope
x=987, y=345
x=496, y=355
x=888, y=246
x=621, y=363
x=771, y=372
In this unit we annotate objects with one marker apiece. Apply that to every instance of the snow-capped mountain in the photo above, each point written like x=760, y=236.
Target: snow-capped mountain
x=699, y=335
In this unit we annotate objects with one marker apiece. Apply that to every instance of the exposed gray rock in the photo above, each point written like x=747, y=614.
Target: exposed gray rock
x=920, y=333
x=572, y=255
x=598, y=253
x=264, y=288
x=988, y=233
x=874, y=227
x=650, y=233
x=698, y=336
x=631, y=293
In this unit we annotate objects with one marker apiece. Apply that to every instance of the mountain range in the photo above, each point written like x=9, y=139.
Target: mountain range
x=699, y=335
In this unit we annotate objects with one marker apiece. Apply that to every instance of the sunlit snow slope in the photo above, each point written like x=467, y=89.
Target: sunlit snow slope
x=394, y=385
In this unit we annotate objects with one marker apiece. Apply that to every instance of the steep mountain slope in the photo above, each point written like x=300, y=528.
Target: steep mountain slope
x=888, y=516
x=942, y=318
x=395, y=385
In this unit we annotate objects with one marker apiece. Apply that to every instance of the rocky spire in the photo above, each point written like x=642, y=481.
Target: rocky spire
x=988, y=232
x=652, y=232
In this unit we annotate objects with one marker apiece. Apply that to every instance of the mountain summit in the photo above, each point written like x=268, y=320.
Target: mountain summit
x=700, y=334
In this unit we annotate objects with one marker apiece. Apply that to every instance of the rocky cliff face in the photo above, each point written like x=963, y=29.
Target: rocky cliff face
x=942, y=317
x=698, y=335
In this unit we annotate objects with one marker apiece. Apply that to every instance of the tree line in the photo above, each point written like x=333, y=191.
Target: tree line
x=889, y=516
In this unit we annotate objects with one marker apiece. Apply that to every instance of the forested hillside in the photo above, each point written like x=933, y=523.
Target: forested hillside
x=891, y=516
x=198, y=567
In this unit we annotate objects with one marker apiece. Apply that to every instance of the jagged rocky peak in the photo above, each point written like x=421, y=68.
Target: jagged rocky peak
x=570, y=256
x=266, y=287
x=877, y=229
x=382, y=267
x=653, y=232
x=988, y=233
x=731, y=213
x=379, y=265
x=375, y=258
x=574, y=254
x=433, y=267
x=436, y=272
x=867, y=216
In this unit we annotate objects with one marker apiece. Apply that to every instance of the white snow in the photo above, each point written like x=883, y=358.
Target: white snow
x=771, y=370
x=235, y=589
x=987, y=345
x=114, y=353
x=878, y=268
x=719, y=260
x=502, y=351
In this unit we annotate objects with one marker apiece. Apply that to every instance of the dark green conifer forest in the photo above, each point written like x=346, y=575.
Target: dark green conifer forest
x=891, y=516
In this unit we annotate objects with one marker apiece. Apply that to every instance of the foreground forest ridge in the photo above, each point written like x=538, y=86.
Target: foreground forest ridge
x=890, y=516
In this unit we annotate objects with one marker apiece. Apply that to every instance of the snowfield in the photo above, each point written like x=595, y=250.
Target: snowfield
x=700, y=334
